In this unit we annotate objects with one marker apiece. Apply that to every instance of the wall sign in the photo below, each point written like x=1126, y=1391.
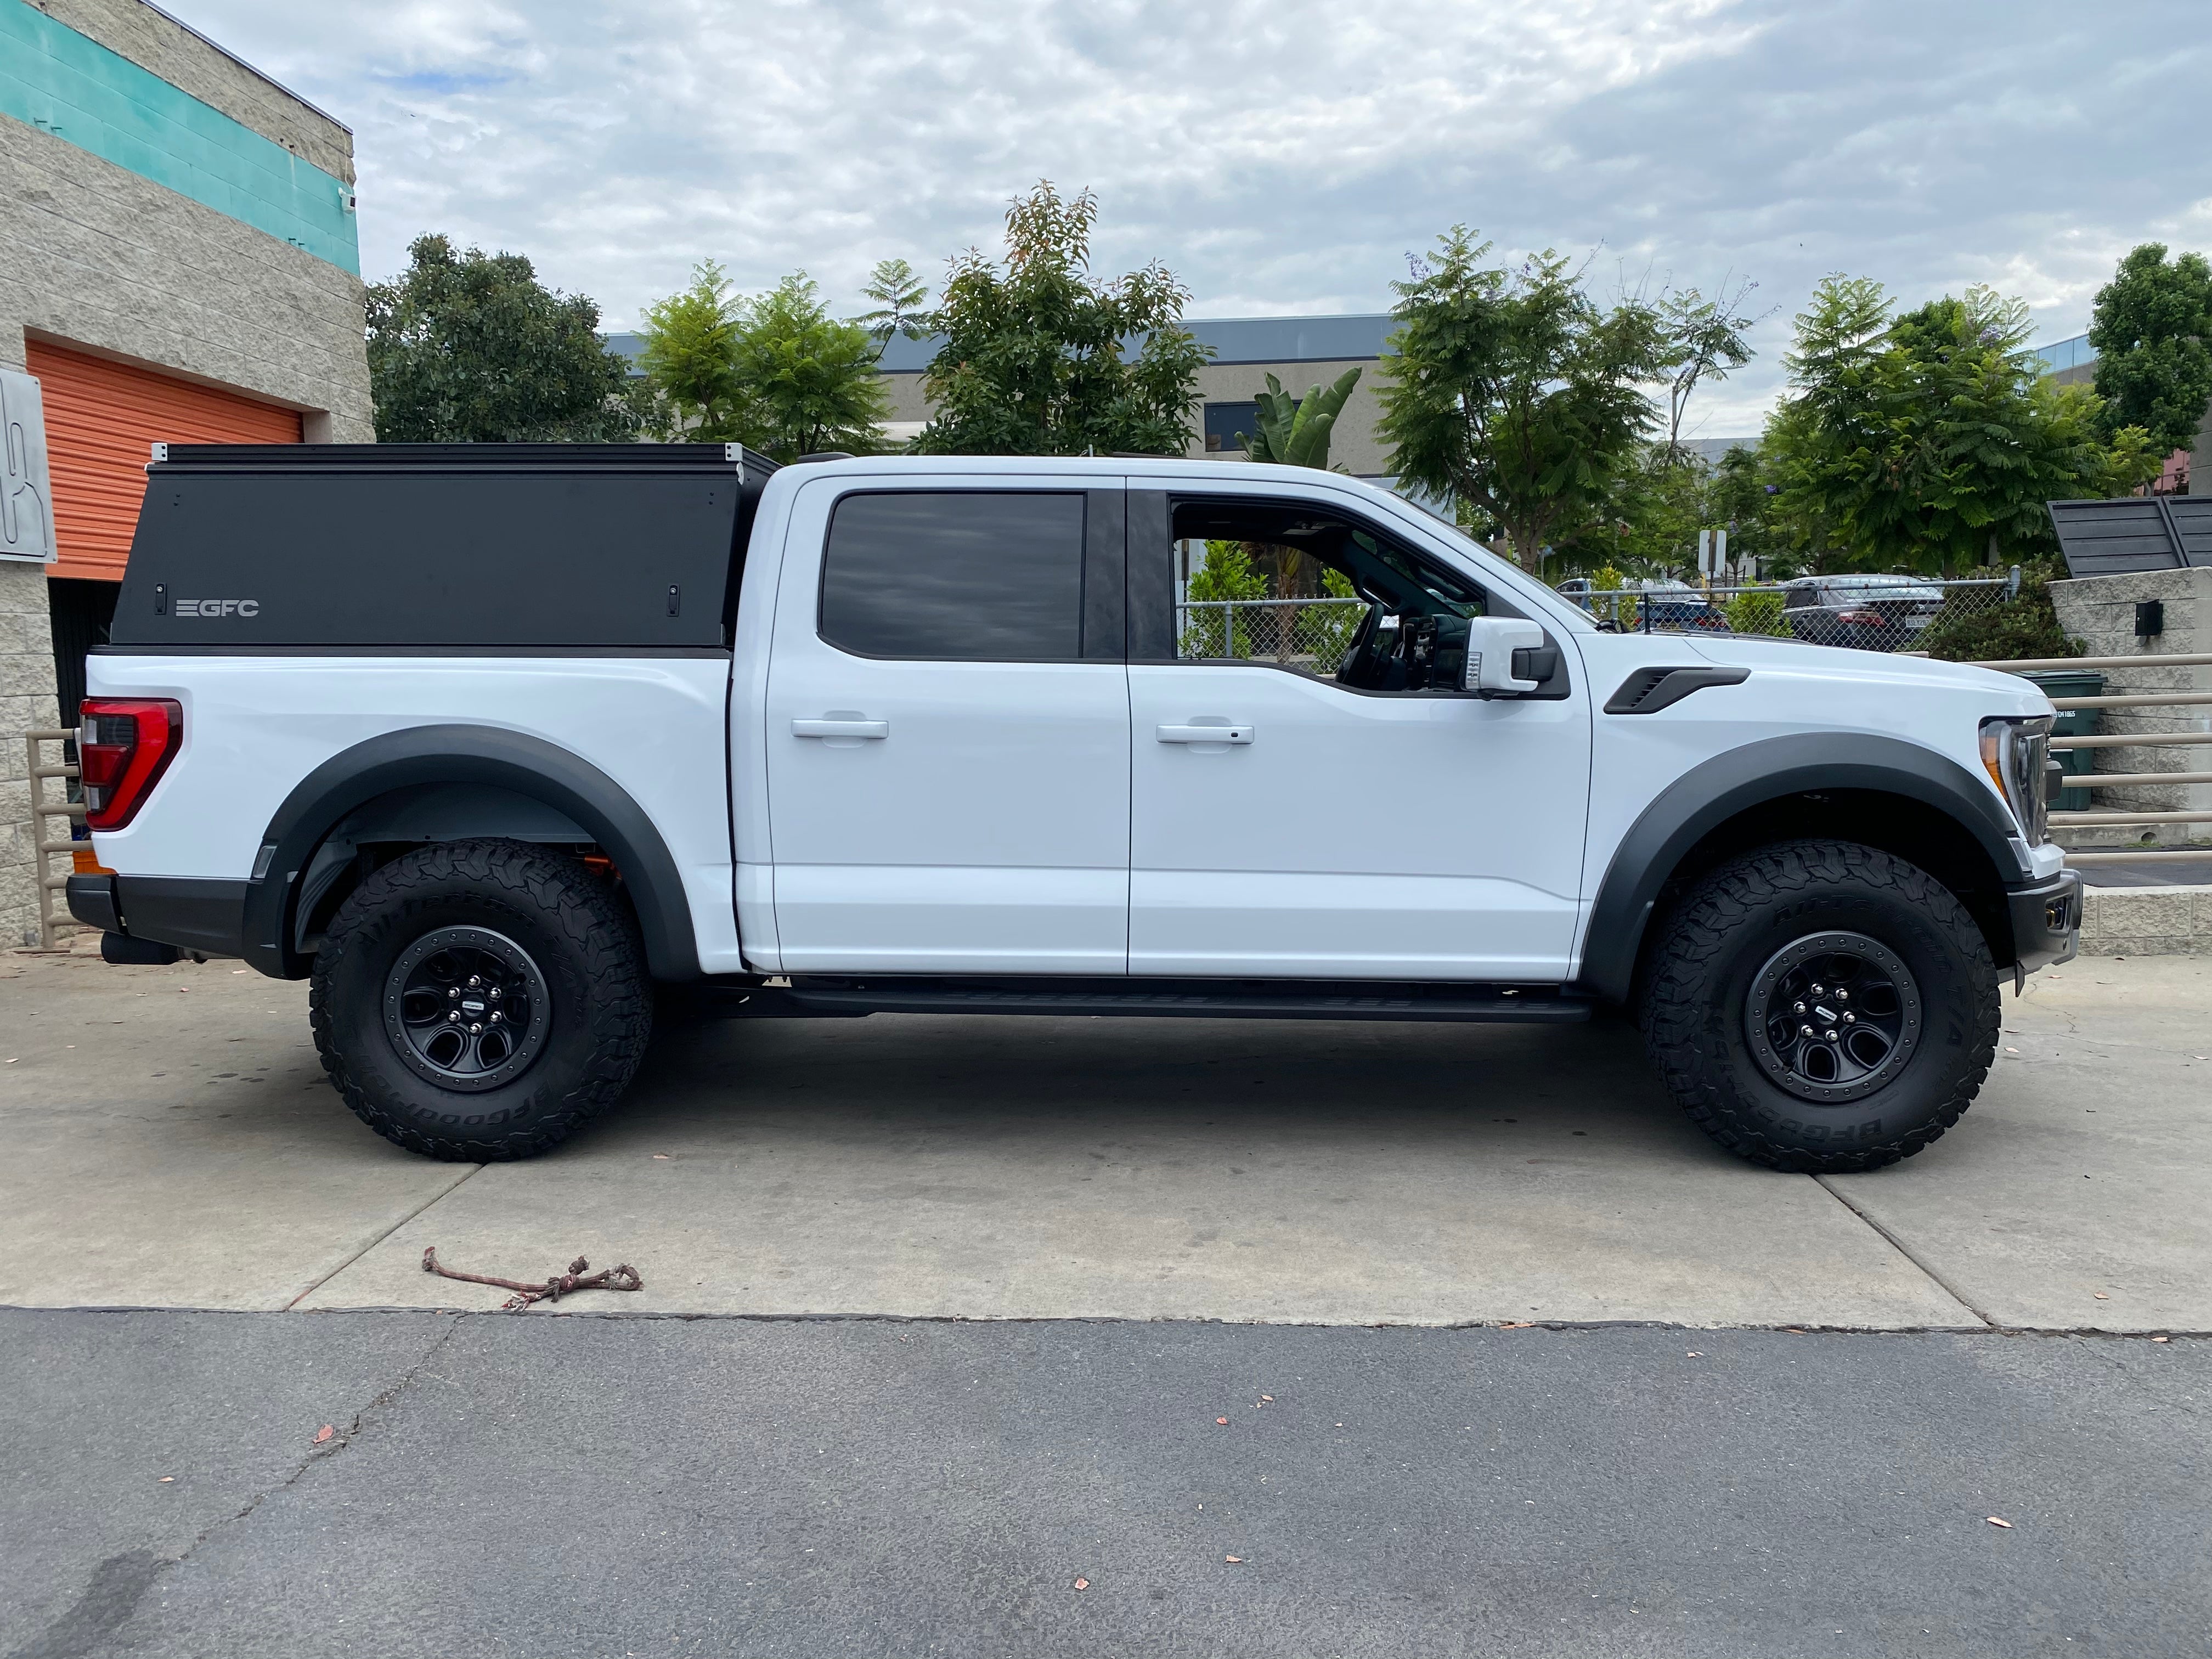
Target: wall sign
x=27, y=493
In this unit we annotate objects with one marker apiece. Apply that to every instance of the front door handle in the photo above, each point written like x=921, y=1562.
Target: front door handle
x=1205, y=733
x=841, y=728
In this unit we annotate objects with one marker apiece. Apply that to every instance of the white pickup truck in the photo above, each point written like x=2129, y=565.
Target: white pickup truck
x=487, y=740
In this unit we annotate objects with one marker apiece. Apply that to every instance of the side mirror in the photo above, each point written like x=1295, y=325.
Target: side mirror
x=1498, y=650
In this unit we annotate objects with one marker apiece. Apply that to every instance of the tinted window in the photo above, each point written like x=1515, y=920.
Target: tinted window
x=956, y=576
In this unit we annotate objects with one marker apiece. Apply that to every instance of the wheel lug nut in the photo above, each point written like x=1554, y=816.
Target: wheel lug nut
x=1804, y=1030
x=1842, y=996
x=454, y=1015
x=475, y=981
x=1817, y=991
x=1832, y=1037
x=1797, y=1008
x=452, y=993
x=494, y=994
x=473, y=1029
x=1850, y=1019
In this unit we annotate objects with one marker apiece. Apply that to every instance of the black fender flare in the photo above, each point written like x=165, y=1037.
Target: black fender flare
x=1715, y=790
x=467, y=754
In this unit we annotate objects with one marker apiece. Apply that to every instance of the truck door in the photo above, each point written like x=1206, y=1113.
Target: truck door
x=1354, y=818
x=948, y=728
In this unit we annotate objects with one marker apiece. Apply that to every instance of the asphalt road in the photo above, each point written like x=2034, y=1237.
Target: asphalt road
x=551, y=1485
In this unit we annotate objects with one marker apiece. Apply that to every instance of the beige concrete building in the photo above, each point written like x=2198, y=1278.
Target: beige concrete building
x=178, y=263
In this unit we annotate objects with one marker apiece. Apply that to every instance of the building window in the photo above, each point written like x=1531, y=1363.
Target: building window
x=1224, y=421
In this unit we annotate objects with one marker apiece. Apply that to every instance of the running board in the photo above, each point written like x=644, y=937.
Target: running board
x=1189, y=1000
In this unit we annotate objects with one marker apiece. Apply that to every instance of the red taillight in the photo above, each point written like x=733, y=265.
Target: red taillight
x=1863, y=618
x=124, y=745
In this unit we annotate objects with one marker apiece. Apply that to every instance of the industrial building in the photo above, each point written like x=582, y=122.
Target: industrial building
x=178, y=264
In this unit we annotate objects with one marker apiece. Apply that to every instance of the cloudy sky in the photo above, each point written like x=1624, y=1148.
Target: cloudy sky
x=1282, y=157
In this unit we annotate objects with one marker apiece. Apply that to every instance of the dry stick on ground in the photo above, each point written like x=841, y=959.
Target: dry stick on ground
x=623, y=1278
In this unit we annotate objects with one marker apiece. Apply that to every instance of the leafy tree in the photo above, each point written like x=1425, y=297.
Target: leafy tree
x=1513, y=392
x=776, y=371
x=811, y=380
x=899, y=297
x=1295, y=431
x=1703, y=343
x=1034, y=360
x=471, y=348
x=1930, y=440
x=690, y=359
x=2152, y=327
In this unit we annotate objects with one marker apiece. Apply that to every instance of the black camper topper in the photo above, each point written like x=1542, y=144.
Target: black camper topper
x=252, y=547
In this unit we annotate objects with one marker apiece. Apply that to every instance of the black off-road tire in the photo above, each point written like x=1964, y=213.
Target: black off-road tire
x=583, y=945
x=1750, y=914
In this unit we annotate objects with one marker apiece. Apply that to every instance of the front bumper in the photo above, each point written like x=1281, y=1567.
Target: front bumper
x=2046, y=922
x=205, y=917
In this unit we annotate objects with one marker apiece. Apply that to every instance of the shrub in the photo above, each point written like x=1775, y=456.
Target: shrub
x=1757, y=613
x=1968, y=630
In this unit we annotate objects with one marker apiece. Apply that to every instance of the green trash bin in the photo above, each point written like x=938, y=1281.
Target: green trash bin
x=2056, y=683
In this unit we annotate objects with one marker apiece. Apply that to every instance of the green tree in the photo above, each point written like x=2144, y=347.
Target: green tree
x=690, y=360
x=900, y=297
x=1034, y=361
x=1295, y=431
x=471, y=348
x=2152, y=327
x=810, y=380
x=1705, y=343
x=774, y=371
x=1513, y=392
x=1930, y=440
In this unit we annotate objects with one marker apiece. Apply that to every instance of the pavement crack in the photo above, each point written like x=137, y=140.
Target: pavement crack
x=119, y=1583
x=1905, y=1250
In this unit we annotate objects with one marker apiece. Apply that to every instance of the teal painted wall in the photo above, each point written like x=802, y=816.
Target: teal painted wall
x=59, y=82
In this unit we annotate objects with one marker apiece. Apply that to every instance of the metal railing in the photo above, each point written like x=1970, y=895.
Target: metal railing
x=43, y=809
x=2107, y=817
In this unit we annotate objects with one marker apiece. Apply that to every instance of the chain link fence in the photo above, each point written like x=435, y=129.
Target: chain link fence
x=1309, y=633
x=1859, y=613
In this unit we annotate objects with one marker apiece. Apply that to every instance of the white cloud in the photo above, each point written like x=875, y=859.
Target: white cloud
x=1282, y=156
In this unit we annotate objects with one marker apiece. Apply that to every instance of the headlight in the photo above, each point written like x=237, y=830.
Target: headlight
x=2016, y=751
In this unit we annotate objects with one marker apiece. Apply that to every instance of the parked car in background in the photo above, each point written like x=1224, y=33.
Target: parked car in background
x=1864, y=613
x=1671, y=607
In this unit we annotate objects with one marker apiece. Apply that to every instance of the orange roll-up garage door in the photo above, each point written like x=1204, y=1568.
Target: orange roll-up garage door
x=102, y=419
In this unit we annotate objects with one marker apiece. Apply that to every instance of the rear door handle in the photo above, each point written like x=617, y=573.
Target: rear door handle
x=1205, y=733
x=844, y=728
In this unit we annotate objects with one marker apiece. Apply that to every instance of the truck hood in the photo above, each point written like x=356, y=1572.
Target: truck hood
x=2005, y=694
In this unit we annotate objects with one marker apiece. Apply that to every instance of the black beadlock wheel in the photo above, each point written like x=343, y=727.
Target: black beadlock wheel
x=1821, y=1006
x=480, y=1001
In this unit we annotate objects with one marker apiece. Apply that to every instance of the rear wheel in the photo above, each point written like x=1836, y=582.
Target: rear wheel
x=1821, y=1006
x=480, y=1001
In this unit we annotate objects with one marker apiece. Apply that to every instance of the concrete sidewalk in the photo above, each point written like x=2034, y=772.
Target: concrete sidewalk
x=172, y=1143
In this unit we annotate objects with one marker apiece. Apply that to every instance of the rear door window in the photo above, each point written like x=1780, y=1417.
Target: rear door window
x=955, y=575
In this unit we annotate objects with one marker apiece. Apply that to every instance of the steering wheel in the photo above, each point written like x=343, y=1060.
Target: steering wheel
x=1370, y=649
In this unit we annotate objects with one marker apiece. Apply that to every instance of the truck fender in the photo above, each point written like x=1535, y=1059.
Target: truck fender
x=1710, y=793
x=486, y=757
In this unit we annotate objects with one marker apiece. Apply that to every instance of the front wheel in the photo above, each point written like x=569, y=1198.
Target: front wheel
x=480, y=1001
x=1821, y=1006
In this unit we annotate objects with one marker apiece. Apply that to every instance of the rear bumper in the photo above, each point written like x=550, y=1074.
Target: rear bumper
x=2046, y=922
x=205, y=916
